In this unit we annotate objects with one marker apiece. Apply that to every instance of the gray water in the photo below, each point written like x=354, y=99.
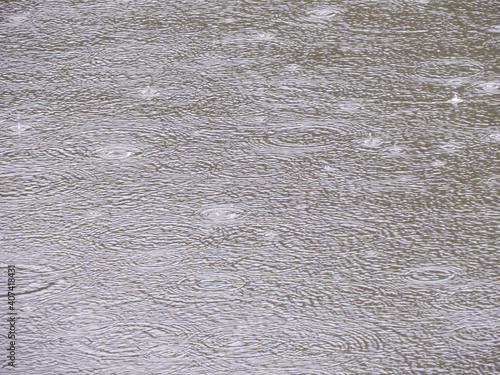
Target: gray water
x=251, y=187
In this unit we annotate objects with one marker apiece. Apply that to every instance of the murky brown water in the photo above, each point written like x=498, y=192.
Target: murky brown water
x=251, y=187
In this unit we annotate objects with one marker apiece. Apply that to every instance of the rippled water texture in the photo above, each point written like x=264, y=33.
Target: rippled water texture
x=280, y=187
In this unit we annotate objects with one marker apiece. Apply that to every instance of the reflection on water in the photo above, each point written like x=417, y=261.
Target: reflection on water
x=254, y=188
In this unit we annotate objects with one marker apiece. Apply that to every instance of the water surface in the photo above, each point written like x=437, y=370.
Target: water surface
x=252, y=188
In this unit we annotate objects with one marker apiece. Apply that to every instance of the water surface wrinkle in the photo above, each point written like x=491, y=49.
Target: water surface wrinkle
x=251, y=187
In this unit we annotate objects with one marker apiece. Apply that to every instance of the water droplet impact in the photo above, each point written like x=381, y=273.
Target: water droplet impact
x=494, y=137
x=430, y=275
x=488, y=88
x=394, y=151
x=116, y=152
x=17, y=19
x=455, y=100
x=371, y=142
x=263, y=36
x=222, y=214
x=20, y=128
x=351, y=106
x=149, y=93
x=323, y=14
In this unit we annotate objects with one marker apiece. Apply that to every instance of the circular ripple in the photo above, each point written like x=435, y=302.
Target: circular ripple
x=493, y=137
x=304, y=137
x=351, y=105
x=324, y=340
x=32, y=279
x=123, y=339
x=371, y=142
x=83, y=316
x=430, y=275
x=221, y=213
x=248, y=343
x=488, y=88
x=448, y=68
x=309, y=346
x=270, y=343
x=323, y=14
x=117, y=152
x=394, y=151
x=470, y=299
x=109, y=141
x=476, y=334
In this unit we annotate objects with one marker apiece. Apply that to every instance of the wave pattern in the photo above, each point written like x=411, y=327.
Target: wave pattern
x=252, y=188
